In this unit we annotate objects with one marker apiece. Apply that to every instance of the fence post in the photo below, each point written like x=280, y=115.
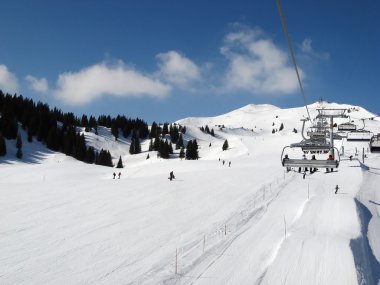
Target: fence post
x=176, y=261
x=363, y=154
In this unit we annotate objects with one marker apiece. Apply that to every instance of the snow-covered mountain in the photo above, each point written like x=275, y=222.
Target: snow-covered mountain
x=231, y=217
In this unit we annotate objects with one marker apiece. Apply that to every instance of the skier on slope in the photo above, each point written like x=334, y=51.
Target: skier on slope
x=171, y=176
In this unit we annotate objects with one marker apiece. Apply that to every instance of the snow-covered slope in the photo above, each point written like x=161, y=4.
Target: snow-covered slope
x=248, y=222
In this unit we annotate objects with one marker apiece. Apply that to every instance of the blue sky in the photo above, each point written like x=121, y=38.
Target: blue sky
x=170, y=59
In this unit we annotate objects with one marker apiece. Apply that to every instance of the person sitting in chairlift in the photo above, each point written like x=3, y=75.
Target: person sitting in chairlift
x=312, y=170
x=330, y=158
x=299, y=168
x=286, y=157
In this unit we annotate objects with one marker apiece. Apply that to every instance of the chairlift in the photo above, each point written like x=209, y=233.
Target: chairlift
x=374, y=145
x=347, y=127
x=312, y=146
x=310, y=163
x=360, y=134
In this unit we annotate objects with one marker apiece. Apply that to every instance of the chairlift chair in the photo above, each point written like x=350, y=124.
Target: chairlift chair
x=359, y=135
x=374, y=145
x=347, y=127
x=310, y=163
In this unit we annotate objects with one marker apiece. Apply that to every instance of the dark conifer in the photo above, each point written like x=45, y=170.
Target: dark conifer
x=120, y=163
x=30, y=136
x=90, y=155
x=18, y=142
x=3, y=146
x=182, y=153
x=225, y=145
x=115, y=130
x=19, y=153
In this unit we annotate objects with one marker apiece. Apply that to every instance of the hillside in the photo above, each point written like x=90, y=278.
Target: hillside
x=63, y=221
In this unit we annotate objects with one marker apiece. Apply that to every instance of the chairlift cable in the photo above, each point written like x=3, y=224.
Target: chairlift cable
x=292, y=54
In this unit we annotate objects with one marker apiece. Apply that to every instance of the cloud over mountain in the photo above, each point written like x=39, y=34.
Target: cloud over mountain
x=90, y=83
x=255, y=63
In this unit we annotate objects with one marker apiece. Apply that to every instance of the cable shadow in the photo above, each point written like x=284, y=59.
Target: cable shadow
x=374, y=202
x=367, y=266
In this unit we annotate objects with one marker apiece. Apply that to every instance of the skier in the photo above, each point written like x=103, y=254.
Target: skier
x=119, y=174
x=114, y=175
x=336, y=189
x=223, y=162
x=171, y=176
x=229, y=164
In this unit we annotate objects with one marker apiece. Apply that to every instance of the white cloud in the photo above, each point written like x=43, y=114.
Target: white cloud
x=177, y=69
x=307, y=49
x=8, y=81
x=256, y=64
x=38, y=84
x=90, y=83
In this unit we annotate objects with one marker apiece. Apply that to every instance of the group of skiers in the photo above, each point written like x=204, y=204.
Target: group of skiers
x=229, y=163
x=114, y=175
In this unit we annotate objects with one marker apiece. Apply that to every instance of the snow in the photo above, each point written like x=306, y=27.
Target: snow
x=66, y=222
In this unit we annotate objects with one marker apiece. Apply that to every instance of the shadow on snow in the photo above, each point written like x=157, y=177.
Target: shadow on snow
x=367, y=267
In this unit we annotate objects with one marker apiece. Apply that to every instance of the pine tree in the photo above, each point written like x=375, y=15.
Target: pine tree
x=90, y=155
x=165, y=129
x=225, y=145
x=179, y=143
x=3, y=146
x=19, y=153
x=30, y=135
x=120, y=163
x=150, y=145
x=281, y=127
x=153, y=130
x=19, y=146
x=115, y=130
x=137, y=145
x=192, y=150
x=182, y=153
x=132, y=147
x=18, y=142
x=212, y=132
x=164, y=149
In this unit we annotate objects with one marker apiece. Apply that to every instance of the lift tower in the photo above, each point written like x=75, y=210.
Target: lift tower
x=331, y=114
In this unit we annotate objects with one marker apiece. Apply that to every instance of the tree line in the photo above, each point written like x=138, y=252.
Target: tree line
x=59, y=131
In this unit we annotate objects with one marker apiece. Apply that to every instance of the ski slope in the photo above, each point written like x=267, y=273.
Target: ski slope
x=66, y=222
